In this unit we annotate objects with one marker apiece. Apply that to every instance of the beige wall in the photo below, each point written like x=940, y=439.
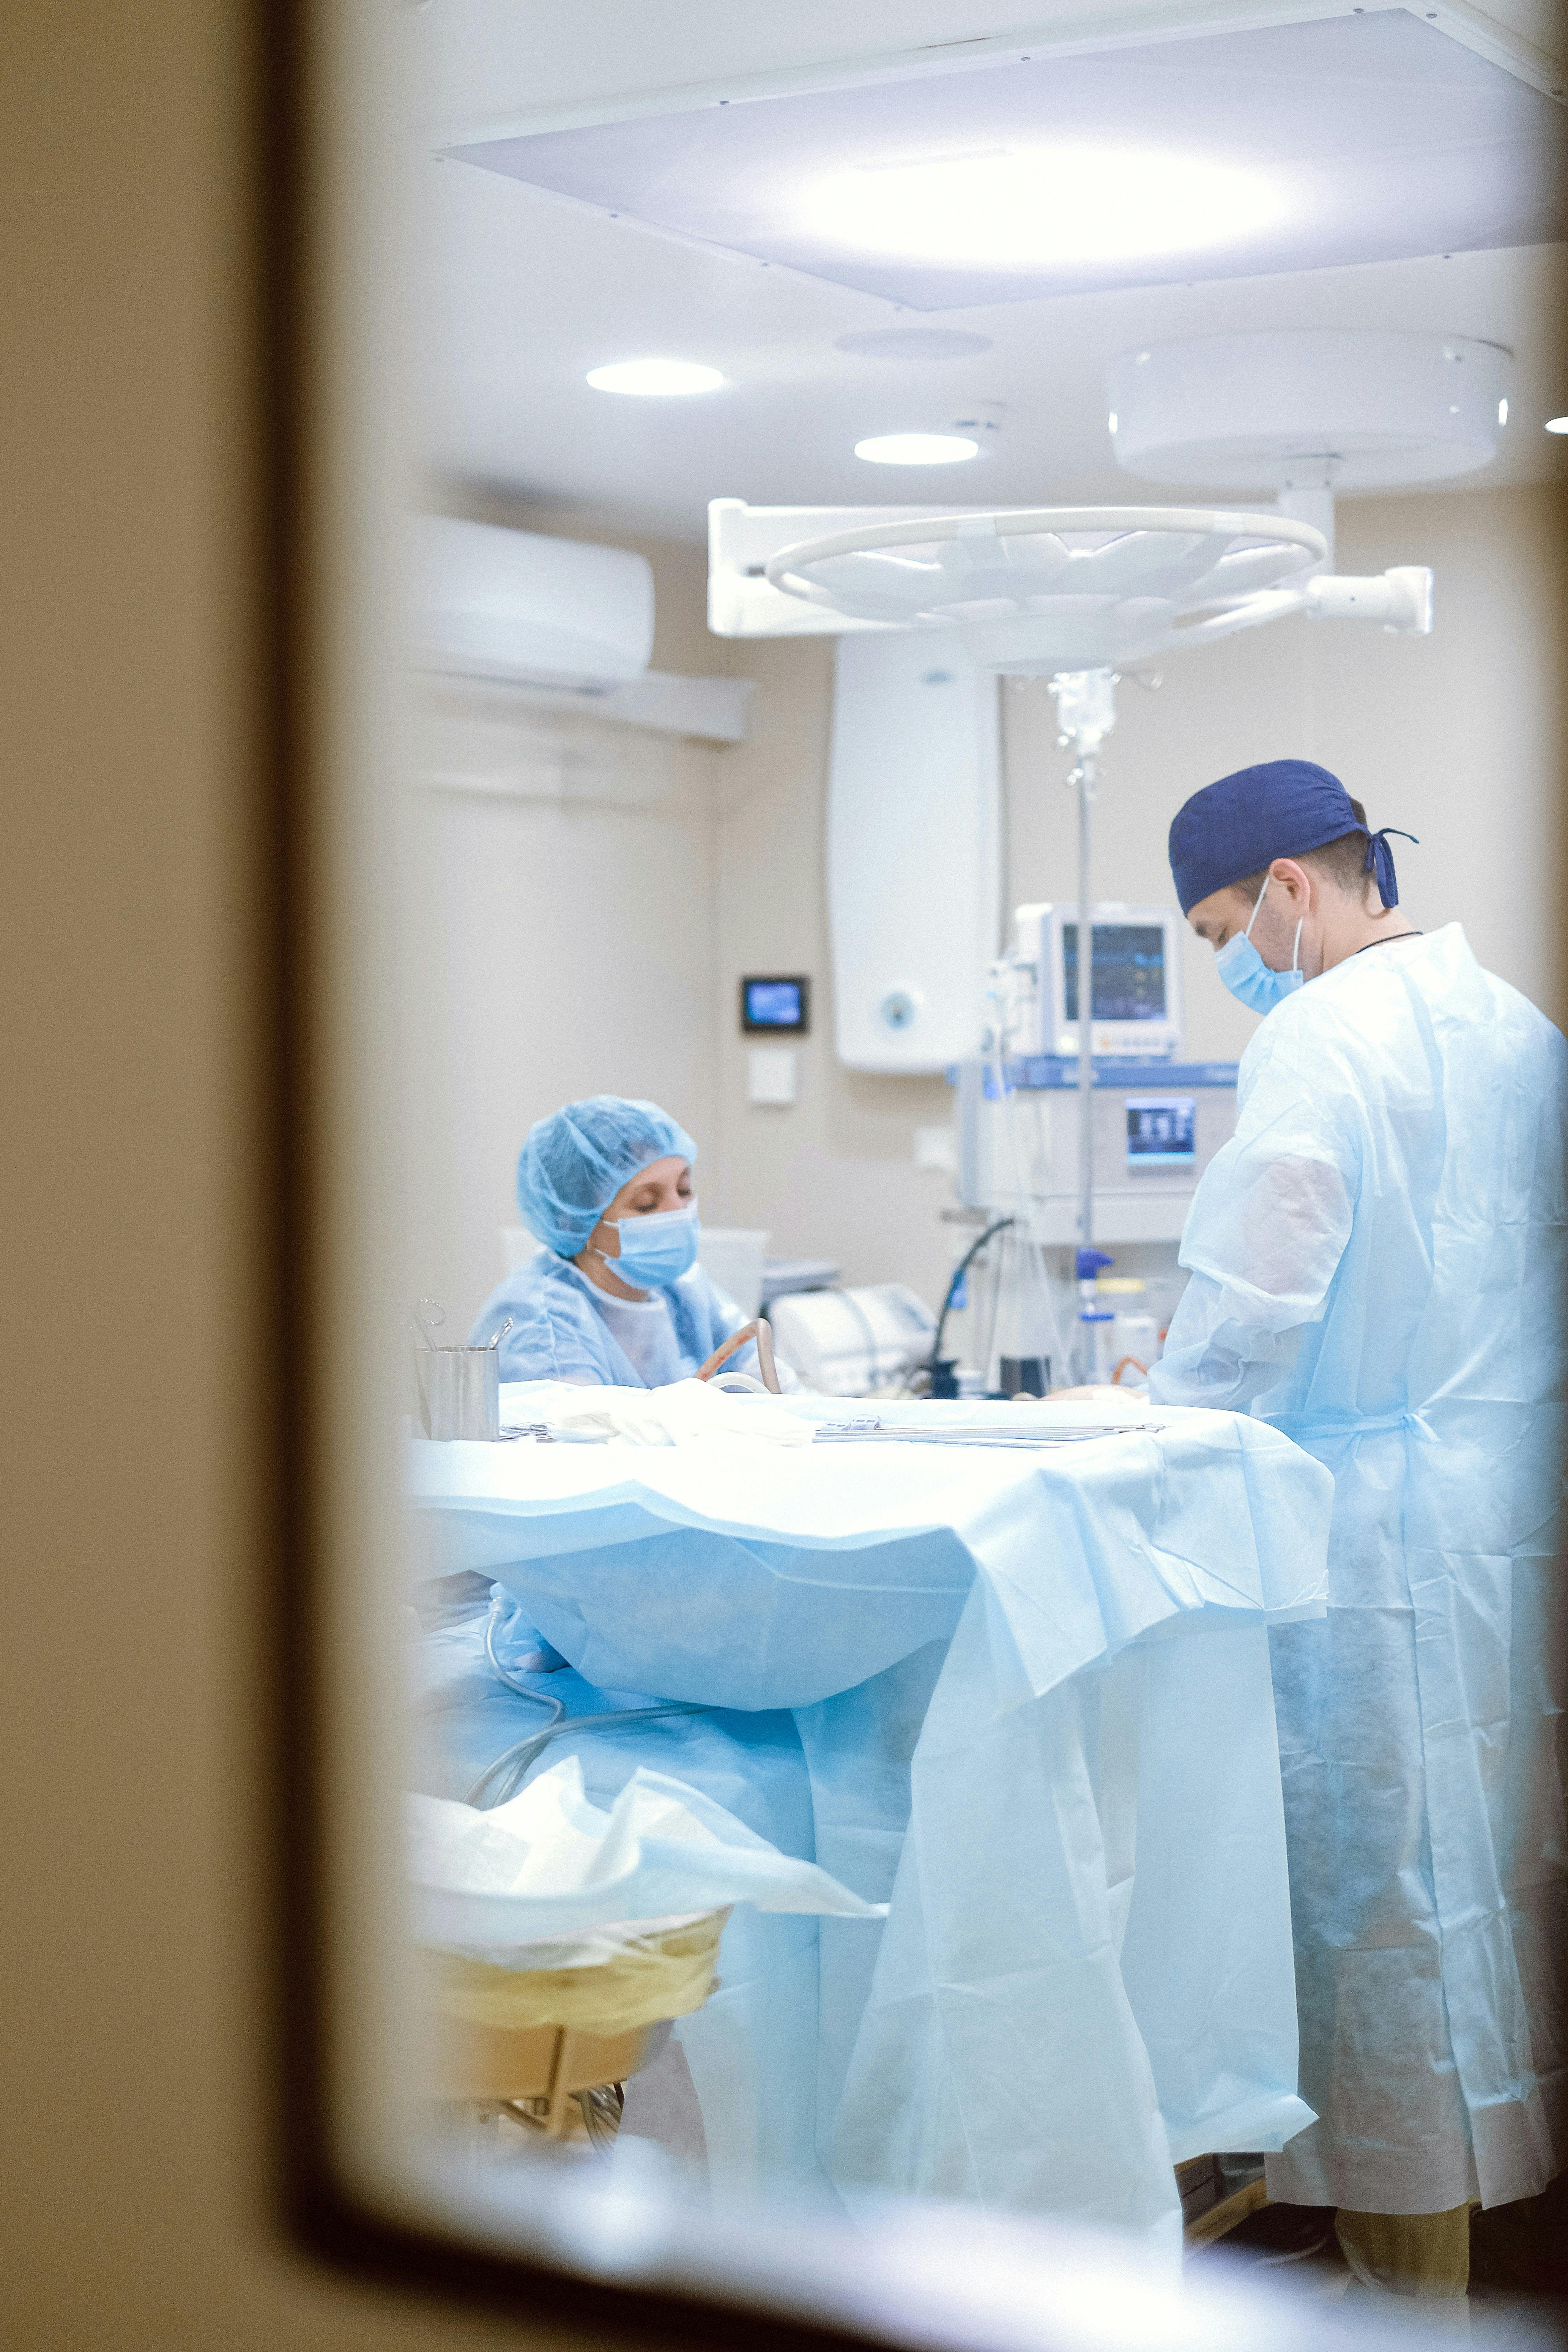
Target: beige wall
x=599, y=948
x=1459, y=737
x=571, y=946
x=834, y=1176
x=140, y=1528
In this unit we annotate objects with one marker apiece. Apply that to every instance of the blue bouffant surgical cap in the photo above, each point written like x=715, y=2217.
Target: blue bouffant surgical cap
x=575, y=1161
x=1280, y=809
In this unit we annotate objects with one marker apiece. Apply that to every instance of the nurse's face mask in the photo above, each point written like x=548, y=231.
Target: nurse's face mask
x=1247, y=977
x=656, y=1245
x=657, y=1248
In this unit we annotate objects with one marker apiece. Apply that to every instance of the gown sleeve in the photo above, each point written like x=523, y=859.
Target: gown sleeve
x=547, y=1344
x=1268, y=1224
x=556, y=1334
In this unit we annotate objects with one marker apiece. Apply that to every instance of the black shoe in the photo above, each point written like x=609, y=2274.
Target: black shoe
x=1281, y=2233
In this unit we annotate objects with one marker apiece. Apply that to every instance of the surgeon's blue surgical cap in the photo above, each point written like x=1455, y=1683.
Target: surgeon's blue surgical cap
x=1280, y=809
x=575, y=1161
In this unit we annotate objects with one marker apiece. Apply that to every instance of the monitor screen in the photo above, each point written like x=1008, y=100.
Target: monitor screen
x=1129, y=971
x=773, y=1004
x=1162, y=1131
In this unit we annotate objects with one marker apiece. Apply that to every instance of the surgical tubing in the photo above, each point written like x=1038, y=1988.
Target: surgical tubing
x=505, y=1674
x=523, y=1753
x=959, y=1271
x=873, y=1349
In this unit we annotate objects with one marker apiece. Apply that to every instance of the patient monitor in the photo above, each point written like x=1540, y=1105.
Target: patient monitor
x=1135, y=998
x=1156, y=1121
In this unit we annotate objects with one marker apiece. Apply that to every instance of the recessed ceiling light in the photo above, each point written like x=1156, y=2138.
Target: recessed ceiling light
x=1034, y=208
x=1557, y=424
x=917, y=449
x=654, y=379
x=1503, y=412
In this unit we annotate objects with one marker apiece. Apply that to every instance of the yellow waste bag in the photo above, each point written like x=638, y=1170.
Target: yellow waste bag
x=667, y=1973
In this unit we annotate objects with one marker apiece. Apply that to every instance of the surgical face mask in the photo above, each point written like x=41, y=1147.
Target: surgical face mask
x=1247, y=977
x=658, y=1248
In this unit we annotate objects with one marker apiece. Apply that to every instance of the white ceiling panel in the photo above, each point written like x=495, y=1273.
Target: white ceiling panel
x=521, y=65
x=1355, y=139
x=527, y=290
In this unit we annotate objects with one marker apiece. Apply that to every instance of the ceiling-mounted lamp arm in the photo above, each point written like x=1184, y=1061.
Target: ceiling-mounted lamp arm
x=1269, y=605
x=781, y=575
x=1401, y=598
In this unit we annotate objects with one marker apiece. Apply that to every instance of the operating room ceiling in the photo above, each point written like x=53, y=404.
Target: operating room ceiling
x=534, y=285
x=1365, y=137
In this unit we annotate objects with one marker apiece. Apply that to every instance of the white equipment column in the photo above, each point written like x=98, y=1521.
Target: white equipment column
x=913, y=848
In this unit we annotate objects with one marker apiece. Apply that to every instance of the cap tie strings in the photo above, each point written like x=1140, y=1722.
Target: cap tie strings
x=1380, y=861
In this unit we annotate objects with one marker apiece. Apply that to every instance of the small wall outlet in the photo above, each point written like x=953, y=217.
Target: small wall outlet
x=770, y=1075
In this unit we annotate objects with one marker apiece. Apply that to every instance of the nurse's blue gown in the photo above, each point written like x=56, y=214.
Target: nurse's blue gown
x=558, y=1333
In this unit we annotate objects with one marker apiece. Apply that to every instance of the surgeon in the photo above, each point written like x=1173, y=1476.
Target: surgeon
x=1377, y=1264
x=616, y=1296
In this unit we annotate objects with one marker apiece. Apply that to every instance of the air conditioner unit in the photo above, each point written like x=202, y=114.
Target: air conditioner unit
x=558, y=624
x=512, y=604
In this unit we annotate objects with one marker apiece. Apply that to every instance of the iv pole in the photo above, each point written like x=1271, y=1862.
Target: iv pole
x=1083, y=779
x=1086, y=710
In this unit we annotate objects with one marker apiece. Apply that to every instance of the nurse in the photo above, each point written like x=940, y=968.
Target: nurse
x=616, y=1296
x=1377, y=1264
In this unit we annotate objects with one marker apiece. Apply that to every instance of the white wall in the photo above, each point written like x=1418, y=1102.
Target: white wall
x=590, y=948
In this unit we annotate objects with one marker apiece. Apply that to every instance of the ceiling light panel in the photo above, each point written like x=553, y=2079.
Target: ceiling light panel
x=1352, y=139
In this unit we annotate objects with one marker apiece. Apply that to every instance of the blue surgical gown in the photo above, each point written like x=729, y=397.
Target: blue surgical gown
x=1377, y=1263
x=558, y=1333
